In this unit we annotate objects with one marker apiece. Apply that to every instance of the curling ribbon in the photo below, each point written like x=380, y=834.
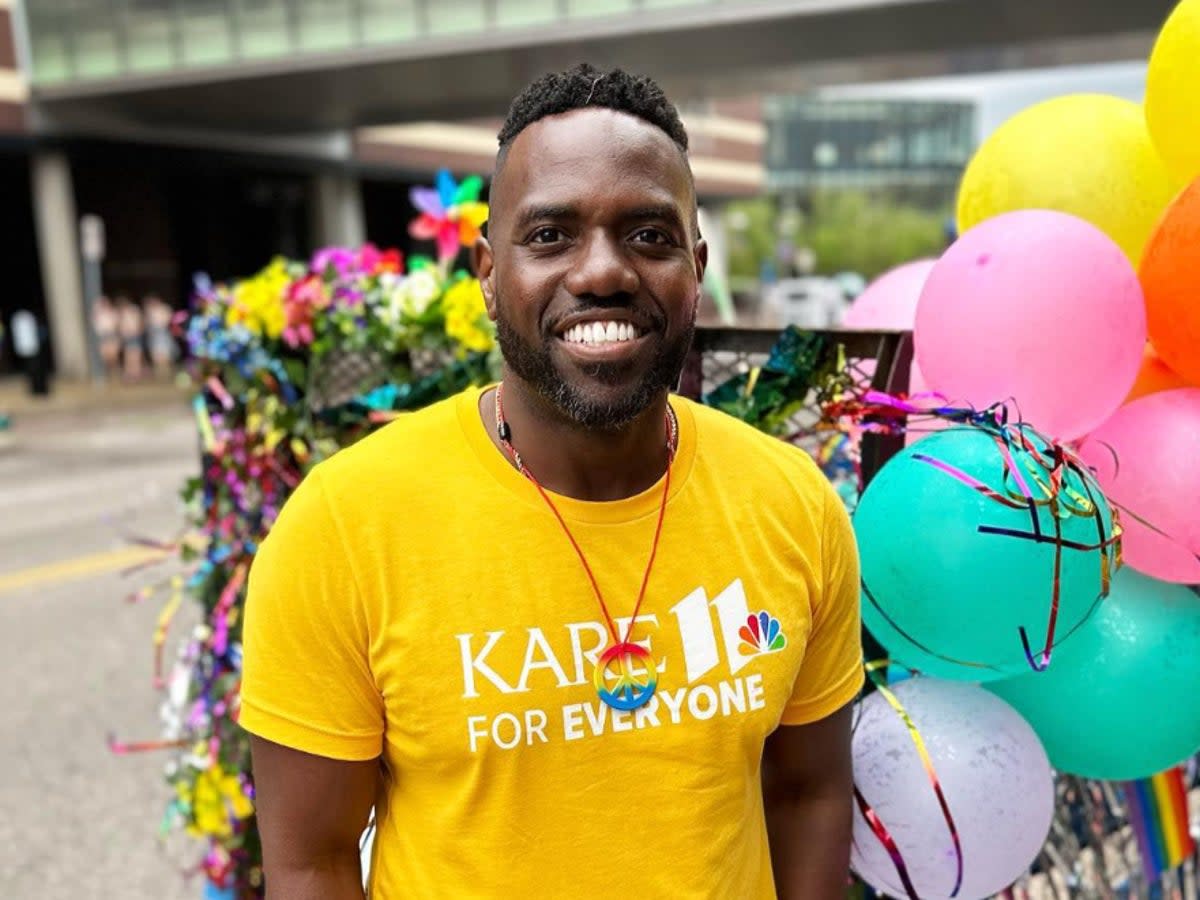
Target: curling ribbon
x=1034, y=477
x=872, y=818
x=123, y=748
x=163, y=625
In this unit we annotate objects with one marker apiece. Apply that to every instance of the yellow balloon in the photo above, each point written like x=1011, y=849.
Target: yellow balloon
x=1089, y=155
x=1173, y=92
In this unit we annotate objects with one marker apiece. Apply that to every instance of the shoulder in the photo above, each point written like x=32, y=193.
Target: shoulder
x=399, y=457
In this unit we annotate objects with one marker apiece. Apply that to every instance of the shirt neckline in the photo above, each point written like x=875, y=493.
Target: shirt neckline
x=607, y=512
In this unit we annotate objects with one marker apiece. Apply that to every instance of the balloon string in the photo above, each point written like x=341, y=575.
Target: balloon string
x=912, y=640
x=893, y=701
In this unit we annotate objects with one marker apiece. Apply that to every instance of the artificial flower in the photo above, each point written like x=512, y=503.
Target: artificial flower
x=340, y=259
x=390, y=261
x=216, y=799
x=419, y=290
x=258, y=301
x=467, y=320
x=372, y=261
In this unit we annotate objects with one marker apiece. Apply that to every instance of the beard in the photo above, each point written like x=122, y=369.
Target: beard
x=534, y=365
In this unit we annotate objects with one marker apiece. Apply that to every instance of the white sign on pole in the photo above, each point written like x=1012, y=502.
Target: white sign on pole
x=25, y=334
x=91, y=238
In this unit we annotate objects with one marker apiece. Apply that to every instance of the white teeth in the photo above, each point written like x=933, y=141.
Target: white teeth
x=600, y=333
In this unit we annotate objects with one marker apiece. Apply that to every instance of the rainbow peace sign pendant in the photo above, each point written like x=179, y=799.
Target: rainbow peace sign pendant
x=625, y=676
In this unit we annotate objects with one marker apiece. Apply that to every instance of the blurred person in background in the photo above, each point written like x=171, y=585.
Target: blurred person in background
x=158, y=335
x=105, y=325
x=132, y=327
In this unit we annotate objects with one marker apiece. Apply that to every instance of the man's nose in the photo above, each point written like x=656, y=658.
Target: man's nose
x=602, y=269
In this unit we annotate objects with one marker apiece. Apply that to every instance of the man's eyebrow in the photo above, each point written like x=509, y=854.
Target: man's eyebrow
x=551, y=212
x=664, y=213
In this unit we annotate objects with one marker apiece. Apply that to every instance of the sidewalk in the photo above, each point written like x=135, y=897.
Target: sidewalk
x=70, y=402
x=71, y=397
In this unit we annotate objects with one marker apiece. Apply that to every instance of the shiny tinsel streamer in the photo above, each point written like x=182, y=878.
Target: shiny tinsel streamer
x=1034, y=477
x=876, y=824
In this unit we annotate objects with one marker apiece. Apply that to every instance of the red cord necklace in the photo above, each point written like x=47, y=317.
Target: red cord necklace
x=625, y=676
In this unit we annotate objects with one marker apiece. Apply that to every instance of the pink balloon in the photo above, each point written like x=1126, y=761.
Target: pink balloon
x=890, y=301
x=1037, y=307
x=1146, y=459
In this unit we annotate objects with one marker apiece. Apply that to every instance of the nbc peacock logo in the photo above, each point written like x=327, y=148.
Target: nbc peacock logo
x=761, y=634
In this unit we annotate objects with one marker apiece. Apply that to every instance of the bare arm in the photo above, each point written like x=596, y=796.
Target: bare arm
x=311, y=813
x=808, y=786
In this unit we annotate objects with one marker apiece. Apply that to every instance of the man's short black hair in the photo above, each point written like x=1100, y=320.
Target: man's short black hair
x=586, y=86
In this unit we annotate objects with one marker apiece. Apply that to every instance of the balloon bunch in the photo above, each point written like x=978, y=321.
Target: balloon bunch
x=1057, y=349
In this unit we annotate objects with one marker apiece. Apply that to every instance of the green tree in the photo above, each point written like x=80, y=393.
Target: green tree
x=848, y=230
x=857, y=232
x=752, y=228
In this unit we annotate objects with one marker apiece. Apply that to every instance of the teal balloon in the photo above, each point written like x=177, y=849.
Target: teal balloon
x=950, y=575
x=1120, y=700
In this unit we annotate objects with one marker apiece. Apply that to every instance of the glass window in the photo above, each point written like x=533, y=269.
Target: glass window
x=388, y=20
x=50, y=43
x=455, y=16
x=579, y=8
x=206, y=36
x=262, y=28
x=94, y=40
x=515, y=13
x=149, y=42
x=325, y=24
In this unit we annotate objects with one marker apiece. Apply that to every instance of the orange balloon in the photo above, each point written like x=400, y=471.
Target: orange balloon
x=1170, y=276
x=1154, y=376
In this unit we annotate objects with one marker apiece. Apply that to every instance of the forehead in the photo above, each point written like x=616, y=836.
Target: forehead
x=593, y=154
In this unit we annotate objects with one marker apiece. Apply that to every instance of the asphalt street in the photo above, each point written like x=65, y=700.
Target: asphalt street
x=76, y=657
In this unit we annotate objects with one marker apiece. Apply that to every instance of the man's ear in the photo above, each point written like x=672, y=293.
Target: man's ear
x=700, y=255
x=483, y=262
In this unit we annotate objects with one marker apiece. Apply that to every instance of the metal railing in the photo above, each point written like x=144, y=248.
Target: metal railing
x=881, y=358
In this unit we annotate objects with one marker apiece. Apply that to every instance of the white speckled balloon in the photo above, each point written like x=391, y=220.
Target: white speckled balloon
x=994, y=774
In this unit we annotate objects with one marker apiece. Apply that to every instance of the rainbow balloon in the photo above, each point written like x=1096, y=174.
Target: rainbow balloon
x=1158, y=813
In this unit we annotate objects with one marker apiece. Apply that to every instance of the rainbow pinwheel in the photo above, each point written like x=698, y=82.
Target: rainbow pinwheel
x=451, y=213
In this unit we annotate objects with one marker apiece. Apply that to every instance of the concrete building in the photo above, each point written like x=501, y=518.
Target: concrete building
x=178, y=199
x=211, y=134
x=911, y=149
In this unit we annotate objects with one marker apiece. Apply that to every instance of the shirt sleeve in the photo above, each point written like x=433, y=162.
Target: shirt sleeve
x=831, y=674
x=306, y=674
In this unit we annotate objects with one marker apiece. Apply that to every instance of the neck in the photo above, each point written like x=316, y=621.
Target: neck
x=574, y=461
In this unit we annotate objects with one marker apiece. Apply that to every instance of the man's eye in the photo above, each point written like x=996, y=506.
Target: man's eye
x=651, y=236
x=546, y=235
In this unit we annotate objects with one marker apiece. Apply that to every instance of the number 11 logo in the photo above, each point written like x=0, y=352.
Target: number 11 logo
x=740, y=630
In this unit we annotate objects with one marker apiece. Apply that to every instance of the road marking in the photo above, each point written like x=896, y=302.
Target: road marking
x=80, y=566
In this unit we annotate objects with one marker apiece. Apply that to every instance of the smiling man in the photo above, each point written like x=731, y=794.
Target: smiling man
x=569, y=635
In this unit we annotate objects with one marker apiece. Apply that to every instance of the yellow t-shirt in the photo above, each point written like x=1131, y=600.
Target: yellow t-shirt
x=417, y=600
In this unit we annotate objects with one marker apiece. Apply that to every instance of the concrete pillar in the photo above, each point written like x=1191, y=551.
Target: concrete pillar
x=58, y=250
x=716, y=276
x=337, y=210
